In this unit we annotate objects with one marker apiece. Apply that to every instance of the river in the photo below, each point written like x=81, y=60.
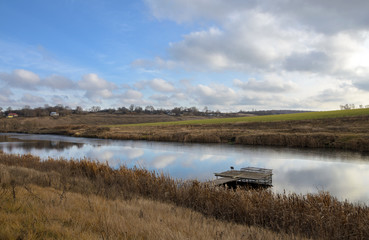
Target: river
x=344, y=174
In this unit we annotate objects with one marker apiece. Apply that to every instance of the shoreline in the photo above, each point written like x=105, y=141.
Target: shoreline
x=319, y=216
x=344, y=133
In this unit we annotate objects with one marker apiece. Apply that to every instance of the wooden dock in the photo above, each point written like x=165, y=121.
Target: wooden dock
x=249, y=176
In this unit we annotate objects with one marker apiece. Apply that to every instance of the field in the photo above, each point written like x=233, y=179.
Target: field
x=267, y=118
x=344, y=129
x=56, y=199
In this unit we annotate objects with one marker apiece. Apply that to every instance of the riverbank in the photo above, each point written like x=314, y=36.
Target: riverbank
x=348, y=130
x=88, y=200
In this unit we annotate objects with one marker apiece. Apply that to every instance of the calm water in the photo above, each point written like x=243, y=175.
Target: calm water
x=344, y=174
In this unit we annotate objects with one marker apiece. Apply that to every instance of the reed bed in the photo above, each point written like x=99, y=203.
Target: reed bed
x=46, y=213
x=317, y=216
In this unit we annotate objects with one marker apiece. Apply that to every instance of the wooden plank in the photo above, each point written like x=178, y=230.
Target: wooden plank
x=221, y=181
x=243, y=174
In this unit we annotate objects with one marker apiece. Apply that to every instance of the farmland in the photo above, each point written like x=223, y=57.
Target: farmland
x=267, y=118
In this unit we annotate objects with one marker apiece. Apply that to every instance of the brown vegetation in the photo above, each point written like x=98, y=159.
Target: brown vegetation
x=90, y=119
x=47, y=213
x=349, y=133
x=312, y=216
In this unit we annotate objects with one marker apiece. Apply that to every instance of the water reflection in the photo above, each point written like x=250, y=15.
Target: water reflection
x=344, y=174
x=9, y=142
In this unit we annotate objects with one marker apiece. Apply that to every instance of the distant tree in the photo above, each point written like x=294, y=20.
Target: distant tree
x=27, y=111
x=65, y=111
x=95, y=109
x=131, y=107
x=345, y=107
x=79, y=109
x=177, y=111
x=149, y=109
x=138, y=109
x=123, y=110
x=194, y=110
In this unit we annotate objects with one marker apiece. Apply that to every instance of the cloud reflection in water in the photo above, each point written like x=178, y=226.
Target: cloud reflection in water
x=343, y=174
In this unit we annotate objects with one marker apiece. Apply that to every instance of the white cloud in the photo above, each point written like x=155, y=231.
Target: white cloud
x=132, y=94
x=270, y=35
x=311, y=48
x=58, y=82
x=250, y=41
x=215, y=94
x=95, y=87
x=266, y=85
x=325, y=16
x=5, y=97
x=34, y=100
x=21, y=78
x=156, y=84
x=161, y=85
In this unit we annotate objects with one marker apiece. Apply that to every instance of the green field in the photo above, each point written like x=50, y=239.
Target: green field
x=266, y=118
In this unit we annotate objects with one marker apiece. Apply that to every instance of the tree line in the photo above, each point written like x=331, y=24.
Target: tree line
x=27, y=111
x=352, y=106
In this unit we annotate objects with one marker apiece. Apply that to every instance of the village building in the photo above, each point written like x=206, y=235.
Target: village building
x=54, y=114
x=12, y=115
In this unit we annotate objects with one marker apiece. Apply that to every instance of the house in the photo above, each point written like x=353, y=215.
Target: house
x=12, y=115
x=54, y=114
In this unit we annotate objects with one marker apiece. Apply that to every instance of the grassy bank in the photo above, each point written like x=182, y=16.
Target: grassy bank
x=267, y=118
x=63, y=186
x=345, y=129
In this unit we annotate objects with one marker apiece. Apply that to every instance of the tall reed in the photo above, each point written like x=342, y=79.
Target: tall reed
x=312, y=215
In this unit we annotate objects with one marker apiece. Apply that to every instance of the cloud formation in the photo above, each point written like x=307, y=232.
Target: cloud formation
x=156, y=84
x=21, y=78
x=276, y=86
x=58, y=82
x=325, y=37
x=323, y=43
x=226, y=55
x=96, y=87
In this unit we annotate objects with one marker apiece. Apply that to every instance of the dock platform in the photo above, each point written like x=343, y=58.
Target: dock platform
x=249, y=176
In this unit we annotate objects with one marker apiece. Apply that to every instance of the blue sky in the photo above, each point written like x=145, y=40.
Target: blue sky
x=227, y=55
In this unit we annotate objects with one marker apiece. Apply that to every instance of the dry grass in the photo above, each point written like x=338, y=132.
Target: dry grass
x=266, y=118
x=338, y=130
x=313, y=216
x=90, y=119
x=46, y=213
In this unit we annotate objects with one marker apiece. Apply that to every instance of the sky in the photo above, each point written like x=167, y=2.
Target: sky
x=226, y=55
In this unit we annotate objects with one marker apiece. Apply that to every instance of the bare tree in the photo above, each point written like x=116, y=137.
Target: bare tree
x=95, y=108
x=79, y=109
x=149, y=109
x=131, y=107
